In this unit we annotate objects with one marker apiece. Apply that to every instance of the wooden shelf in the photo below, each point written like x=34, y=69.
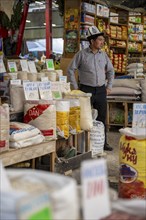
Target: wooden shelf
x=86, y=23
x=115, y=38
x=118, y=24
x=88, y=13
x=118, y=47
x=13, y=156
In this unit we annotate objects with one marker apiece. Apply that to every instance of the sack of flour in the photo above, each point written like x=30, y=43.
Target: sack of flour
x=4, y=127
x=17, y=97
x=42, y=115
x=21, y=131
x=27, y=142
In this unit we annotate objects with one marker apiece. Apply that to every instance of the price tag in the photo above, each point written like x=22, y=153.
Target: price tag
x=35, y=207
x=15, y=82
x=50, y=64
x=31, y=90
x=24, y=65
x=2, y=66
x=32, y=67
x=44, y=78
x=56, y=92
x=12, y=66
x=63, y=79
x=95, y=193
x=139, y=118
x=45, y=90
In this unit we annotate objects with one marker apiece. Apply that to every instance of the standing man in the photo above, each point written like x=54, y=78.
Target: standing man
x=94, y=68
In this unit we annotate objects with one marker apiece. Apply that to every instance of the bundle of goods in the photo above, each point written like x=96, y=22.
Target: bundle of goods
x=118, y=32
x=42, y=115
x=87, y=7
x=23, y=135
x=38, y=195
x=136, y=70
x=74, y=116
x=125, y=89
x=87, y=18
x=118, y=61
x=4, y=127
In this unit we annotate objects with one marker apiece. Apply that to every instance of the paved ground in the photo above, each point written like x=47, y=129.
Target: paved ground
x=112, y=161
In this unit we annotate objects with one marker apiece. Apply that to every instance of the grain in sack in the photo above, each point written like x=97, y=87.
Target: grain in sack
x=62, y=117
x=4, y=127
x=74, y=115
x=42, y=115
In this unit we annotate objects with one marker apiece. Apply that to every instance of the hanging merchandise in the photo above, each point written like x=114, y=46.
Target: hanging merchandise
x=42, y=115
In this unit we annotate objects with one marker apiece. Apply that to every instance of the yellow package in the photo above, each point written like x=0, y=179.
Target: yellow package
x=132, y=168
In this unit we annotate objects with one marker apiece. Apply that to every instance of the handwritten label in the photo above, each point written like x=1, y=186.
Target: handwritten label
x=24, y=65
x=31, y=90
x=139, y=118
x=12, y=66
x=63, y=79
x=95, y=189
x=32, y=67
x=2, y=66
x=15, y=82
x=45, y=90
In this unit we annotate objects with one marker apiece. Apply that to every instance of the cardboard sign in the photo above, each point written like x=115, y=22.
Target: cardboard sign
x=2, y=66
x=15, y=82
x=139, y=118
x=45, y=90
x=50, y=64
x=35, y=207
x=24, y=65
x=95, y=192
x=32, y=67
x=12, y=66
x=56, y=92
x=31, y=90
x=63, y=79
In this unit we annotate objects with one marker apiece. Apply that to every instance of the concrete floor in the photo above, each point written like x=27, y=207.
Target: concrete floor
x=112, y=158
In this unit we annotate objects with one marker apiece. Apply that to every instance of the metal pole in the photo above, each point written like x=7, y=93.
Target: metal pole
x=48, y=17
x=21, y=28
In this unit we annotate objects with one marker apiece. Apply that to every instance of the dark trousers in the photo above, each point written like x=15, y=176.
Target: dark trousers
x=98, y=101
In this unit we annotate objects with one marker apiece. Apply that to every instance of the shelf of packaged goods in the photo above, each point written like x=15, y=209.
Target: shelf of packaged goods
x=115, y=38
x=135, y=52
x=135, y=41
x=13, y=156
x=118, y=47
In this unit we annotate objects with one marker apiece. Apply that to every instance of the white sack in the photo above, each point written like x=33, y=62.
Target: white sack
x=21, y=131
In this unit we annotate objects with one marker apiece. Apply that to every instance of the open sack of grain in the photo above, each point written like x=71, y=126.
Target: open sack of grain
x=38, y=195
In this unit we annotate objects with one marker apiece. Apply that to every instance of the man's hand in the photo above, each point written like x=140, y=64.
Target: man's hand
x=108, y=91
